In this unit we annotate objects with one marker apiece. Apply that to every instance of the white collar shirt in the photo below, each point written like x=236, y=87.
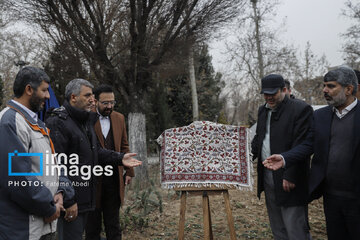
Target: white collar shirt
x=28, y=111
x=345, y=110
x=105, y=124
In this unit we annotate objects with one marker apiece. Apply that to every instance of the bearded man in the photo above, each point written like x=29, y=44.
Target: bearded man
x=30, y=200
x=334, y=139
x=282, y=123
x=111, y=133
x=72, y=130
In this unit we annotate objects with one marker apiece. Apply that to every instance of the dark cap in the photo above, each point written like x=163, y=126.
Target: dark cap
x=270, y=84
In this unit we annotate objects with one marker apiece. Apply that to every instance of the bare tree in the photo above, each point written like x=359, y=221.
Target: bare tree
x=351, y=37
x=3, y=16
x=257, y=51
x=126, y=41
x=14, y=47
x=311, y=67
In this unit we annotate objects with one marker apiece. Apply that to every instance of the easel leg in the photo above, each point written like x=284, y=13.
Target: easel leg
x=229, y=215
x=207, y=217
x=210, y=224
x=182, y=215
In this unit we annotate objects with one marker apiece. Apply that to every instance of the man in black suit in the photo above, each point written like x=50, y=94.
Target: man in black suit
x=334, y=139
x=282, y=124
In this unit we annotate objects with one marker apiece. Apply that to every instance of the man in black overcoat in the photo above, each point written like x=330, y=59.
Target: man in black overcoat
x=282, y=124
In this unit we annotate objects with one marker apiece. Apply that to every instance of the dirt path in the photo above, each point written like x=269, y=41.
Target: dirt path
x=250, y=217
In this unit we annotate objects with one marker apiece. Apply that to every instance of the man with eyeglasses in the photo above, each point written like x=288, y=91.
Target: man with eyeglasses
x=111, y=133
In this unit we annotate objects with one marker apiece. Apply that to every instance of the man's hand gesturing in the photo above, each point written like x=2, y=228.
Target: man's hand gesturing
x=274, y=162
x=129, y=161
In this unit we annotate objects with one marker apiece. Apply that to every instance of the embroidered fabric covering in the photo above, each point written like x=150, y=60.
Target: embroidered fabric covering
x=205, y=154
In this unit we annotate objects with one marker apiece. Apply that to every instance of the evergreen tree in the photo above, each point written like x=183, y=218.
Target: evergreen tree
x=64, y=64
x=158, y=115
x=209, y=87
x=179, y=100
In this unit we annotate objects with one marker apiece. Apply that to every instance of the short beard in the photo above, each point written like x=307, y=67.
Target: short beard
x=338, y=100
x=106, y=114
x=36, y=103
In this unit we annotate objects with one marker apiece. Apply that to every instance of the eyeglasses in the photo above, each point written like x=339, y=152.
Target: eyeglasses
x=106, y=103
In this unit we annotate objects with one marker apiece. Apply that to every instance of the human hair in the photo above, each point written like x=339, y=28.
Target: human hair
x=357, y=72
x=29, y=75
x=103, y=88
x=74, y=87
x=287, y=83
x=344, y=75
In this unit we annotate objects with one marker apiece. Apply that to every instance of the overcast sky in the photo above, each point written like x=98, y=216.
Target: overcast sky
x=317, y=21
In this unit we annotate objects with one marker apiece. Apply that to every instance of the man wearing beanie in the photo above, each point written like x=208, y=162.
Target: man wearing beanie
x=282, y=124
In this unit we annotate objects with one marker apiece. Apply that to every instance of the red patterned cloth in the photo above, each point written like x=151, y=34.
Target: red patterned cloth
x=205, y=154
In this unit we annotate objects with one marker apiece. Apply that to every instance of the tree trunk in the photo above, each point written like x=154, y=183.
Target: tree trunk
x=257, y=20
x=137, y=144
x=194, y=97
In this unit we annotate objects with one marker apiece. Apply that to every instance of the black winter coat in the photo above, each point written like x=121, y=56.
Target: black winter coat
x=289, y=125
x=71, y=131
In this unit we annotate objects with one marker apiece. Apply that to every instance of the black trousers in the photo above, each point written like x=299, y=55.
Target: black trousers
x=49, y=236
x=72, y=230
x=342, y=217
x=109, y=211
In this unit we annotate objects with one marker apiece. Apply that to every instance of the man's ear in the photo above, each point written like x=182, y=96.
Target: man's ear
x=349, y=90
x=72, y=98
x=28, y=90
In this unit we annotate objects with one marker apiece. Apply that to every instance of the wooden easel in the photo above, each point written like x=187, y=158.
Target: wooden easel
x=205, y=192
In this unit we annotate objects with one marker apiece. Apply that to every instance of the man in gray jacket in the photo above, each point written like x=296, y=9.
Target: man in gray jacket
x=30, y=197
